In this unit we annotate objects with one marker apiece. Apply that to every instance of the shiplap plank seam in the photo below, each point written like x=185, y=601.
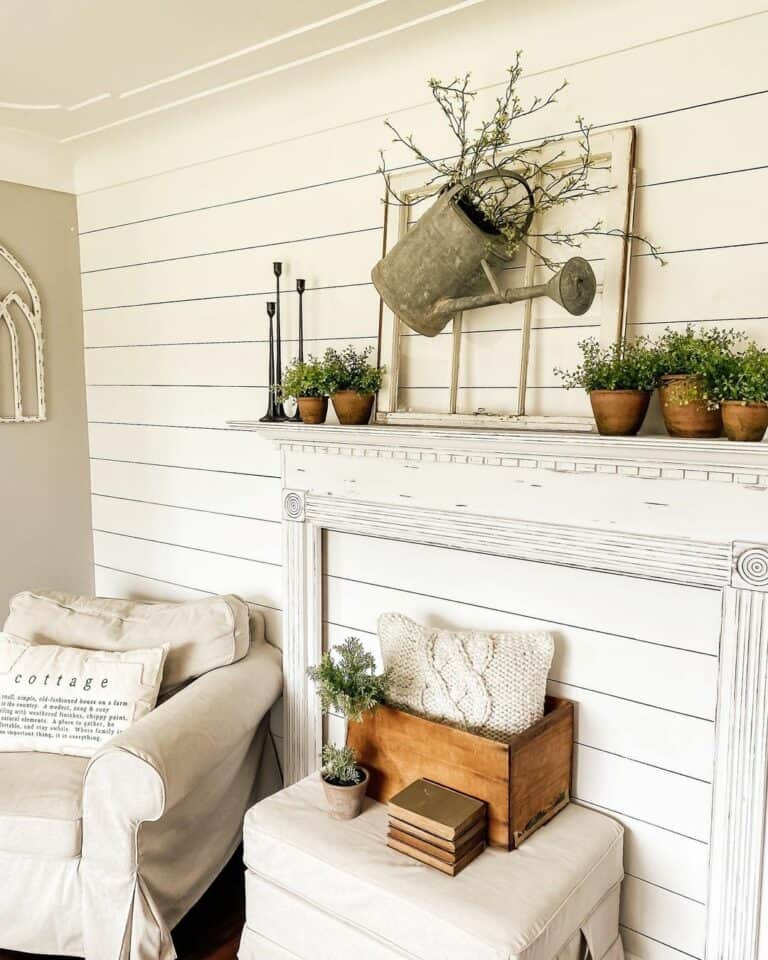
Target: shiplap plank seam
x=178, y=506
x=220, y=296
x=682, y=953
x=515, y=613
x=642, y=763
x=175, y=466
x=660, y=886
x=340, y=286
x=568, y=683
x=468, y=333
x=213, y=343
x=183, y=586
x=344, y=233
x=186, y=546
x=375, y=173
x=223, y=252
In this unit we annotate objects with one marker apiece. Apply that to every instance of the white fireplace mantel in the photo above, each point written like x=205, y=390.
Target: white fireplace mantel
x=691, y=512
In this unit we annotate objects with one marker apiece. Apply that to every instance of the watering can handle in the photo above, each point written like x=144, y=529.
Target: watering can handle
x=497, y=172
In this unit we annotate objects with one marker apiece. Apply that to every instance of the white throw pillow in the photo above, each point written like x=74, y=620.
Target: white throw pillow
x=202, y=634
x=493, y=684
x=67, y=700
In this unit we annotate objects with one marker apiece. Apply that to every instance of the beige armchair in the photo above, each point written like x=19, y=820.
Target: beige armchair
x=100, y=859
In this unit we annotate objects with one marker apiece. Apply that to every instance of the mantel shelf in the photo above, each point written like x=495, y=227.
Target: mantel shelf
x=747, y=460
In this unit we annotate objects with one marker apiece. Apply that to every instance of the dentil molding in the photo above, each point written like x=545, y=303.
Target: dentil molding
x=718, y=461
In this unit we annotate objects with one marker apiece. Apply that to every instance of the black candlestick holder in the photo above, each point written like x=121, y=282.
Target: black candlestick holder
x=279, y=408
x=271, y=415
x=301, y=286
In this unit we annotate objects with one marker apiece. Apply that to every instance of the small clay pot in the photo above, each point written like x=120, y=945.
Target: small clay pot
x=346, y=802
x=684, y=414
x=619, y=413
x=745, y=421
x=353, y=408
x=313, y=409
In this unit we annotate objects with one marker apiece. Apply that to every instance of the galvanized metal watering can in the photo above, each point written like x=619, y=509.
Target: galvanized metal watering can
x=446, y=264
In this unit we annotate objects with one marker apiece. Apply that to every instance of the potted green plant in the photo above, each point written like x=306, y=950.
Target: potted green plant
x=305, y=381
x=619, y=380
x=692, y=363
x=743, y=394
x=352, y=382
x=344, y=781
x=348, y=684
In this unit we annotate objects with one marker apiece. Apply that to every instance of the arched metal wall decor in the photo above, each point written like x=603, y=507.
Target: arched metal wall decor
x=32, y=313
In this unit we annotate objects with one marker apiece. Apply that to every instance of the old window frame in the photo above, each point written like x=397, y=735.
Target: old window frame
x=615, y=147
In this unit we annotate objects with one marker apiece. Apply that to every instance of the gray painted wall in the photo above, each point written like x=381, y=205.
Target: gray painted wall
x=45, y=515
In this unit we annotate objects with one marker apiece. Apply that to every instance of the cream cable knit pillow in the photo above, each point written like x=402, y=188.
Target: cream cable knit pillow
x=493, y=684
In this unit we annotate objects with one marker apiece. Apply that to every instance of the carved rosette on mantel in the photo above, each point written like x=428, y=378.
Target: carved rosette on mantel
x=685, y=512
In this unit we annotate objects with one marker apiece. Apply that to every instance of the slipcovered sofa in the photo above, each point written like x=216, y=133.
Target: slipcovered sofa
x=101, y=857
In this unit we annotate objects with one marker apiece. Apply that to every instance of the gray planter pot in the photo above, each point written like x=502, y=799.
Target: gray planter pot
x=345, y=803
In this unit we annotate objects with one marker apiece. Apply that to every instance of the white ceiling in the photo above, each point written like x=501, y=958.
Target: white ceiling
x=70, y=68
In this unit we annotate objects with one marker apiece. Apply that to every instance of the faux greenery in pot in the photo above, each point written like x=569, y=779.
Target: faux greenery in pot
x=619, y=380
x=307, y=383
x=501, y=206
x=353, y=382
x=742, y=391
x=347, y=683
x=692, y=364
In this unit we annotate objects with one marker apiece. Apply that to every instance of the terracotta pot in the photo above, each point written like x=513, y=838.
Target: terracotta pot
x=353, y=408
x=346, y=802
x=619, y=413
x=313, y=409
x=745, y=421
x=683, y=416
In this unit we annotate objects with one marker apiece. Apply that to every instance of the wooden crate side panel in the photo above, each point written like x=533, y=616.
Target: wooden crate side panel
x=540, y=772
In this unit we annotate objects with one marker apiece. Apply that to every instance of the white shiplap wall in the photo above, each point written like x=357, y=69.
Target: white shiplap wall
x=177, y=261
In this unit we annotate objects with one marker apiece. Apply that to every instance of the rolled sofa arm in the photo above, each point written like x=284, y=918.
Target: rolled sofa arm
x=185, y=737
x=145, y=771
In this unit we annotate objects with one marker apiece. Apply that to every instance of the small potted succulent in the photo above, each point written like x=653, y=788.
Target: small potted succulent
x=348, y=685
x=692, y=364
x=305, y=381
x=743, y=395
x=619, y=380
x=344, y=782
x=352, y=382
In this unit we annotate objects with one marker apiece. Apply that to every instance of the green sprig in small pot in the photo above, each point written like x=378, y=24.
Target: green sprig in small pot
x=619, y=380
x=692, y=363
x=743, y=395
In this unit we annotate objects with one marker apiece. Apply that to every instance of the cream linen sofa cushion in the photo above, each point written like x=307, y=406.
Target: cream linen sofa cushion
x=68, y=700
x=41, y=798
x=493, y=684
x=201, y=634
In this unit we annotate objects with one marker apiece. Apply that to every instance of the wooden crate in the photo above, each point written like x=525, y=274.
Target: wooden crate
x=524, y=782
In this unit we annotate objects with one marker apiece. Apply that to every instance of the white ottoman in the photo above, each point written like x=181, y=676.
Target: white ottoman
x=322, y=889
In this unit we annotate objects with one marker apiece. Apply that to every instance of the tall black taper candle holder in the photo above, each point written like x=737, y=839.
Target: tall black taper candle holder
x=301, y=286
x=271, y=415
x=280, y=413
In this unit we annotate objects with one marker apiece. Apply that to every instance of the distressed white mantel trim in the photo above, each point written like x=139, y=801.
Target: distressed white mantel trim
x=738, y=568
x=741, y=766
x=692, y=562
x=649, y=457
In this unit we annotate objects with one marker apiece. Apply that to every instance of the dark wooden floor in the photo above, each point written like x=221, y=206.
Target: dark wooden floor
x=211, y=930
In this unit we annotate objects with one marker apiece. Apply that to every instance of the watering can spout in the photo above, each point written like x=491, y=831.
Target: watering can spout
x=573, y=288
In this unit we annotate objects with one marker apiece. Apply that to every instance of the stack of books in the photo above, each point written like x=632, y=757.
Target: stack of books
x=438, y=826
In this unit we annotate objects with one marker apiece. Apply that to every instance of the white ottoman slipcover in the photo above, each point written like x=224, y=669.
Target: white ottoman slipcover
x=321, y=889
